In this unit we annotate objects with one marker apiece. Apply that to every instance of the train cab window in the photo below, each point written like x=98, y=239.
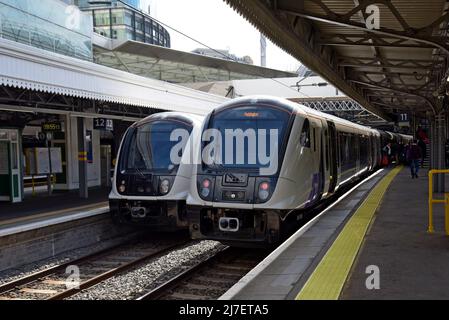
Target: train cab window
x=305, y=134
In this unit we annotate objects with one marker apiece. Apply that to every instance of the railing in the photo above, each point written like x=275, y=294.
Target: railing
x=432, y=201
x=38, y=181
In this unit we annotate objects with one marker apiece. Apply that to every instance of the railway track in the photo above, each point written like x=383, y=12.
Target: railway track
x=209, y=279
x=56, y=283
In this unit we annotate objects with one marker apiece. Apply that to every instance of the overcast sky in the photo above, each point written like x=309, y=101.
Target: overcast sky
x=218, y=26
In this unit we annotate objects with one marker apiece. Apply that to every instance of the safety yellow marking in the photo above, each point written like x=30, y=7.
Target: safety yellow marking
x=327, y=281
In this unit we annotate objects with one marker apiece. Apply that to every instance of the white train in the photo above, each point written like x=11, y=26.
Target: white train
x=150, y=188
x=244, y=199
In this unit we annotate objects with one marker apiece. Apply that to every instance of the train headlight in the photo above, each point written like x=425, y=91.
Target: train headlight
x=205, y=188
x=264, y=191
x=164, y=186
x=122, y=187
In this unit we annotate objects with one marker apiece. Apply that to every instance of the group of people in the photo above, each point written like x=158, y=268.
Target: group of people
x=412, y=154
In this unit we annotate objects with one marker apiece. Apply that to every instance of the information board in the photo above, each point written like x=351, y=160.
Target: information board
x=37, y=161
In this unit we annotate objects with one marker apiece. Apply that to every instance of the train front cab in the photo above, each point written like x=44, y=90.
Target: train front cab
x=149, y=190
x=322, y=153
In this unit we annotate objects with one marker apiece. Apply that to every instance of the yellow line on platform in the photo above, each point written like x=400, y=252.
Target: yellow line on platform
x=327, y=280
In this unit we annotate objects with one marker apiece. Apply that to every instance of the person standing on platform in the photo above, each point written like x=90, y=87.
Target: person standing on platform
x=414, y=156
x=422, y=135
x=422, y=146
x=401, y=152
x=386, y=154
x=394, y=153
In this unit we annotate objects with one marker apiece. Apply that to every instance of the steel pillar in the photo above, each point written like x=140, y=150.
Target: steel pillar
x=438, y=139
x=82, y=158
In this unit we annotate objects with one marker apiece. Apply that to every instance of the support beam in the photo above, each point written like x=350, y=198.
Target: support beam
x=440, y=151
x=82, y=158
x=429, y=103
x=386, y=65
x=300, y=44
x=435, y=42
x=377, y=45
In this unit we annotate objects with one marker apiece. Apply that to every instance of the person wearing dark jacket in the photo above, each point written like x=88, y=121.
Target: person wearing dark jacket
x=423, y=147
x=414, y=155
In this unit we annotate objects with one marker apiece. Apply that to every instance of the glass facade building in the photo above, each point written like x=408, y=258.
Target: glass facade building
x=134, y=3
x=118, y=20
x=47, y=24
x=113, y=3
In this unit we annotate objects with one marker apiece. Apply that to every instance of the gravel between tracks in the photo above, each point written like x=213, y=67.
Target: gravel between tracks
x=134, y=283
x=28, y=269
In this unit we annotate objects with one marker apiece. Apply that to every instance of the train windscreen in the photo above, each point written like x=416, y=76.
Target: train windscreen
x=150, y=147
x=249, y=136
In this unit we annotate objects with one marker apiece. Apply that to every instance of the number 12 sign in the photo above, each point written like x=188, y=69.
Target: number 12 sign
x=103, y=124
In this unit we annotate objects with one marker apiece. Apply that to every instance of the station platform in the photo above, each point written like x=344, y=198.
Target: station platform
x=43, y=210
x=376, y=234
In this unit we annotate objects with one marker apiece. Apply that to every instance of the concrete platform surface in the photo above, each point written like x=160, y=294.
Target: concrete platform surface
x=412, y=263
x=42, y=211
x=286, y=270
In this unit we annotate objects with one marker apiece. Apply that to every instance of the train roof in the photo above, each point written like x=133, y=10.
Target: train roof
x=193, y=119
x=292, y=107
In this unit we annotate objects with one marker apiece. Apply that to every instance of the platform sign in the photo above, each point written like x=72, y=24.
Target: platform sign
x=403, y=119
x=103, y=124
x=51, y=127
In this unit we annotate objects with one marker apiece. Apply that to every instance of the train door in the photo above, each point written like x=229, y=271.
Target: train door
x=325, y=166
x=357, y=140
x=333, y=156
x=372, y=156
x=315, y=148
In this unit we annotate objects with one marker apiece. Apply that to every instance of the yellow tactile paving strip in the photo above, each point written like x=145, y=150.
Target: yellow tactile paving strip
x=327, y=281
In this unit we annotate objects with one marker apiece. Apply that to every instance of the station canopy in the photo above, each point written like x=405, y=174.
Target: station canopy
x=391, y=56
x=56, y=80
x=174, y=66
x=311, y=91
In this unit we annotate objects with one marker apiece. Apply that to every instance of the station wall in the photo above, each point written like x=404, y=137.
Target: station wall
x=94, y=166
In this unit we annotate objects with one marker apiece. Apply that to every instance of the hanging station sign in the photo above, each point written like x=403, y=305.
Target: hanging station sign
x=103, y=124
x=51, y=127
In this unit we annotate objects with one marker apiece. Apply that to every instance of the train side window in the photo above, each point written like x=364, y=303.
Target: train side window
x=305, y=134
x=314, y=139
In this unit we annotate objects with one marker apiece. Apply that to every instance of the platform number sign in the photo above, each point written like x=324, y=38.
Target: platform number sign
x=403, y=119
x=103, y=124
